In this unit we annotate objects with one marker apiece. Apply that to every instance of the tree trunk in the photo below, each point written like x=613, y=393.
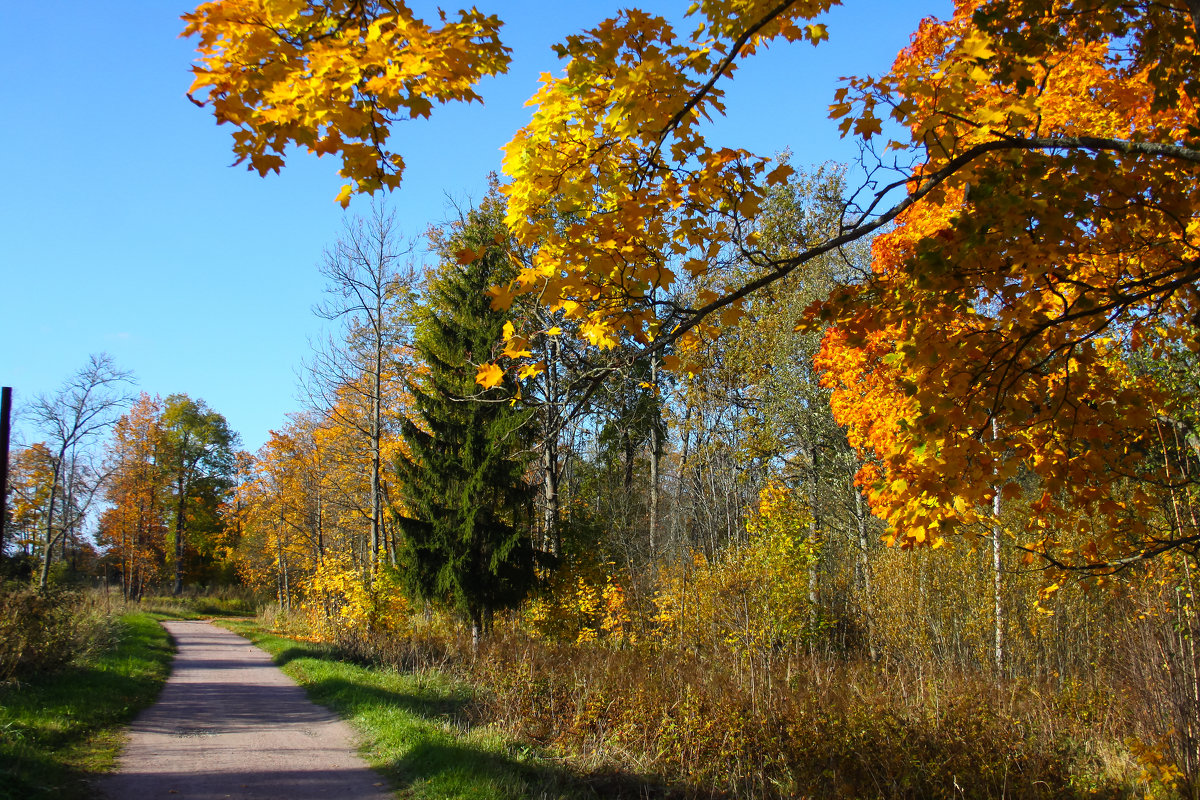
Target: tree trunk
x=476, y=628
x=868, y=606
x=550, y=460
x=996, y=577
x=813, y=533
x=552, y=542
x=180, y=527
x=376, y=435
x=5, y=427
x=627, y=446
x=654, y=454
x=48, y=553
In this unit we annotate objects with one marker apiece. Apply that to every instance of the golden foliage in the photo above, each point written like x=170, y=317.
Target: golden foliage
x=334, y=77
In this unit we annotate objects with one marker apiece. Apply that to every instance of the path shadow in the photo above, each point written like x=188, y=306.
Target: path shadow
x=261, y=783
x=456, y=765
x=352, y=697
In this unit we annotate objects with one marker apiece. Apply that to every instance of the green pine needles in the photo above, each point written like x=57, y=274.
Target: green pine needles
x=467, y=505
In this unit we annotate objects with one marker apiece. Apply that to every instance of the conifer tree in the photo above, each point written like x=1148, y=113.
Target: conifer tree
x=466, y=503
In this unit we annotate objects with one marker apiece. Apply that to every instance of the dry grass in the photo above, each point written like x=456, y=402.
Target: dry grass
x=821, y=725
x=44, y=631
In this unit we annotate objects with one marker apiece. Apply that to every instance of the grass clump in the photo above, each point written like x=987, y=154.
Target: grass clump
x=42, y=631
x=60, y=730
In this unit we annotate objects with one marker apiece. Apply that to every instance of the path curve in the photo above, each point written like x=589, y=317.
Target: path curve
x=230, y=724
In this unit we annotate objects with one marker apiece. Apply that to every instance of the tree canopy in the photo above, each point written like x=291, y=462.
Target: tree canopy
x=1035, y=203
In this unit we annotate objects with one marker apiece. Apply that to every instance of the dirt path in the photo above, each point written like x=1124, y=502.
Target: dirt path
x=230, y=724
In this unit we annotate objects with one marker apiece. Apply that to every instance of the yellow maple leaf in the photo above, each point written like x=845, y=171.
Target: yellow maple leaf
x=502, y=297
x=977, y=44
x=489, y=375
x=515, y=348
x=532, y=370
x=867, y=126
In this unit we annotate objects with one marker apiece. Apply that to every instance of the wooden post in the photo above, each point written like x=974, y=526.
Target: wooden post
x=5, y=424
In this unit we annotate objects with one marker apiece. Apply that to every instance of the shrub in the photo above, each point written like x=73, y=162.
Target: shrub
x=44, y=631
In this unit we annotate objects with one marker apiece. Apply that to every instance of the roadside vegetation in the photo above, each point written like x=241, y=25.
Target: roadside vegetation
x=226, y=601
x=424, y=729
x=523, y=717
x=76, y=671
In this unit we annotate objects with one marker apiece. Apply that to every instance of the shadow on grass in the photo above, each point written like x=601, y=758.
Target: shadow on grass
x=439, y=767
x=351, y=697
x=433, y=768
x=294, y=652
x=24, y=771
x=59, y=730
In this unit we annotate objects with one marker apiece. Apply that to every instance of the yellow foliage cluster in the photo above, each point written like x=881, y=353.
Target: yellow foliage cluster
x=333, y=77
x=1158, y=772
x=337, y=599
x=753, y=597
x=583, y=602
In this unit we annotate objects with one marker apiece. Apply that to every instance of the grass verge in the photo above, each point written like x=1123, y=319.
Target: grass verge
x=60, y=730
x=418, y=730
x=200, y=605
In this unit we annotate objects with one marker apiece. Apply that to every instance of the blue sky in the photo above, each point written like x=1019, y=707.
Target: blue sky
x=126, y=231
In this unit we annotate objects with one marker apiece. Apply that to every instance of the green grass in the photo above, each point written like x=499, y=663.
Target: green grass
x=417, y=730
x=197, y=607
x=60, y=731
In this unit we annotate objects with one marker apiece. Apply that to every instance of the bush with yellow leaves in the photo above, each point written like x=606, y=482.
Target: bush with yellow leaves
x=582, y=601
x=753, y=597
x=338, y=601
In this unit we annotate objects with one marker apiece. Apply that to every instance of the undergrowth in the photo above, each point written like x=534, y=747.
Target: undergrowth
x=819, y=726
x=60, y=730
x=423, y=731
x=231, y=601
x=42, y=631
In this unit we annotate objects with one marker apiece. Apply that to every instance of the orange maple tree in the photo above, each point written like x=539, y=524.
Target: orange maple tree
x=1047, y=250
x=134, y=526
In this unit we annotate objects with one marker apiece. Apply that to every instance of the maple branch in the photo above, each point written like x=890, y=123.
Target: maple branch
x=1115, y=565
x=861, y=227
x=734, y=50
x=1096, y=144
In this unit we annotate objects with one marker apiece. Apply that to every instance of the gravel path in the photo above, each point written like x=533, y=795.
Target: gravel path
x=230, y=724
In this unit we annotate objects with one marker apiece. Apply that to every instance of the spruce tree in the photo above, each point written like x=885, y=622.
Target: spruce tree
x=466, y=504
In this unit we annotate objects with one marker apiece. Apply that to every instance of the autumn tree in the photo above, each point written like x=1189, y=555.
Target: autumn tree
x=357, y=380
x=31, y=478
x=466, y=503
x=1049, y=235
x=1042, y=192
x=197, y=456
x=134, y=525
x=281, y=511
